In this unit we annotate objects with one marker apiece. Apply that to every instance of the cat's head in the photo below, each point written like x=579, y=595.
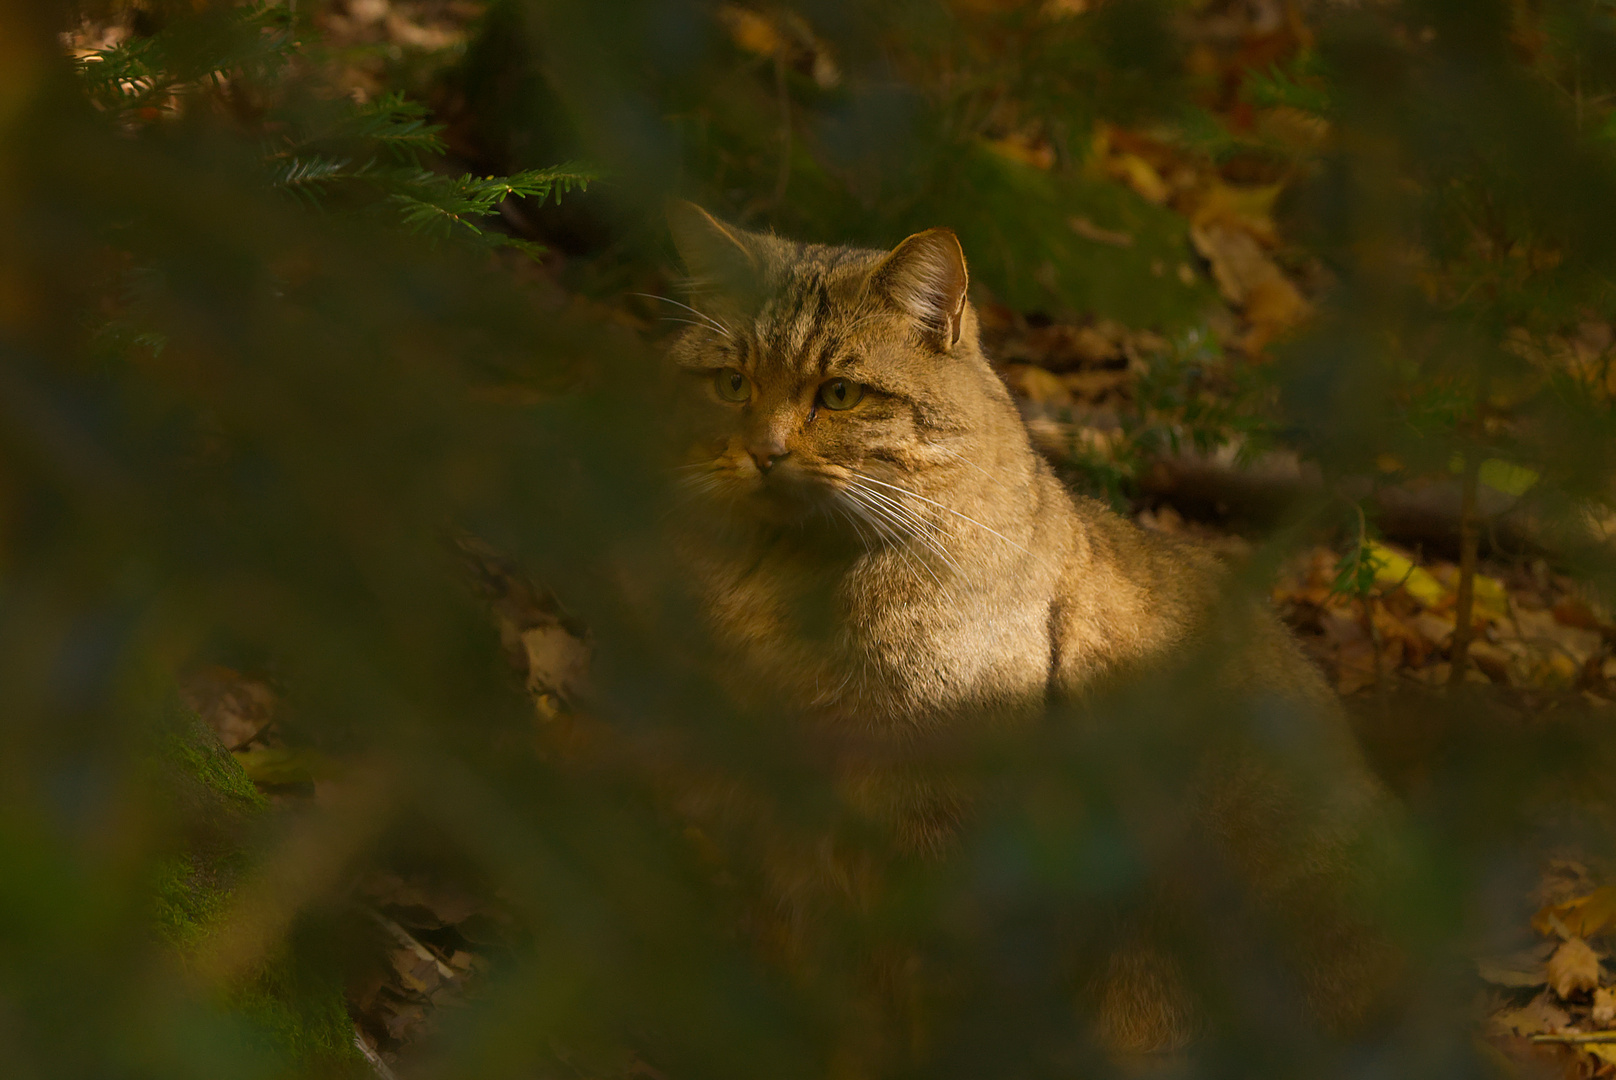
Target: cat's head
x=813, y=369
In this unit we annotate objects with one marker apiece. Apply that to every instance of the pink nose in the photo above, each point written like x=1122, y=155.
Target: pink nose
x=765, y=457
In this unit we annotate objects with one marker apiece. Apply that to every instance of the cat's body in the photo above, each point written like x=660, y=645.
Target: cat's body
x=892, y=553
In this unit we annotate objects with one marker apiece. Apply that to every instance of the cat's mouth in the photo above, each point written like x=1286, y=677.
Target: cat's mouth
x=787, y=492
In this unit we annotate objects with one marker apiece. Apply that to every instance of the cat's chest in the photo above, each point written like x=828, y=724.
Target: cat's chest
x=886, y=638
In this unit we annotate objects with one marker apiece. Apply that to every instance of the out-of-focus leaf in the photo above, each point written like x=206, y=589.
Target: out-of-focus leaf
x=1573, y=969
x=1585, y=916
x=1394, y=569
x=282, y=765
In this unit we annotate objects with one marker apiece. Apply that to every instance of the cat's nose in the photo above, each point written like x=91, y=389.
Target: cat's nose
x=766, y=457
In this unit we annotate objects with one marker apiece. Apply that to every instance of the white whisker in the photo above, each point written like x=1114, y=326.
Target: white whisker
x=714, y=323
x=932, y=540
x=940, y=506
x=880, y=513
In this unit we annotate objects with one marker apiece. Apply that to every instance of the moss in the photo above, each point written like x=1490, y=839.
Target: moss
x=200, y=756
x=299, y=1014
x=292, y=1008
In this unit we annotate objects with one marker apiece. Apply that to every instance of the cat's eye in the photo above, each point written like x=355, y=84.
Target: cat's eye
x=732, y=385
x=840, y=394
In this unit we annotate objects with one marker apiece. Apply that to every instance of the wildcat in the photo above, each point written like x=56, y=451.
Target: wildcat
x=877, y=540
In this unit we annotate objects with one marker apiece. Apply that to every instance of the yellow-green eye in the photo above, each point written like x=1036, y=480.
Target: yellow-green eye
x=732, y=385
x=840, y=394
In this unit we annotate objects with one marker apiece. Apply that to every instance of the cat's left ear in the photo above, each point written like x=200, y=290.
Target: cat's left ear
x=925, y=277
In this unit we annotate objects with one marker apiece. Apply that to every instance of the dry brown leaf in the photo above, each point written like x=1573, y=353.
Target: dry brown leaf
x=1037, y=385
x=1435, y=629
x=1092, y=385
x=234, y=705
x=416, y=973
x=1573, y=968
x=1540, y=1016
x=1062, y=346
x=1251, y=281
x=1247, y=208
x=1604, y=1010
x=557, y=662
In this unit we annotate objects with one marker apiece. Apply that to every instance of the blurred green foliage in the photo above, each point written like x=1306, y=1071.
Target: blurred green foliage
x=237, y=427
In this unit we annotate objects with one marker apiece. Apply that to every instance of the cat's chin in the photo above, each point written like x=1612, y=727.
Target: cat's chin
x=786, y=503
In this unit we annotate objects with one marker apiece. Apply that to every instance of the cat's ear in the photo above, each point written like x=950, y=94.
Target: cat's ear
x=716, y=255
x=925, y=277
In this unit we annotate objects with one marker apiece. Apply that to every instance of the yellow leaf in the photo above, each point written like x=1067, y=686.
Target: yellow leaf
x=1019, y=148
x=1249, y=208
x=285, y=765
x=1392, y=568
x=1503, y=476
x=1490, y=600
x=753, y=32
x=1140, y=175
x=1500, y=475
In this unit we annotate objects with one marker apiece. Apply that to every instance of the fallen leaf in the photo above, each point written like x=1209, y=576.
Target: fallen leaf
x=557, y=662
x=1605, y=1052
x=1062, y=346
x=1491, y=659
x=1250, y=280
x=282, y=765
x=1246, y=207
x=1140, y=175
x=1394, y=569
x=237, y=707
x=1540, y=1016
x=1039, y=155
x=416, y=973
x=1573, y=611
x=1037, y=385
x=1506, y=477
x=1436, y=629
x=1092, y=385
x=1604, y=1010
x=1573, y=968
x=1517, y=970
x=1584, y=916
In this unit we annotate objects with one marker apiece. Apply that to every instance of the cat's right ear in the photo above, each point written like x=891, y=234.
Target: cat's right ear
x=716, y=256
x=925, y=277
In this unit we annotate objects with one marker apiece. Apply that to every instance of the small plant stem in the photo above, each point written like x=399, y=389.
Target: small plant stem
x=1469, y=540
x=1375, y=646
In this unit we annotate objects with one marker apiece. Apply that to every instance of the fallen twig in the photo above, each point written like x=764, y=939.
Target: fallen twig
x=406, y=939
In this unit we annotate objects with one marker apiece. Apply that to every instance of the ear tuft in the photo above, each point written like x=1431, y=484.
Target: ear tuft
x=716, y=255
x=925, y=277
